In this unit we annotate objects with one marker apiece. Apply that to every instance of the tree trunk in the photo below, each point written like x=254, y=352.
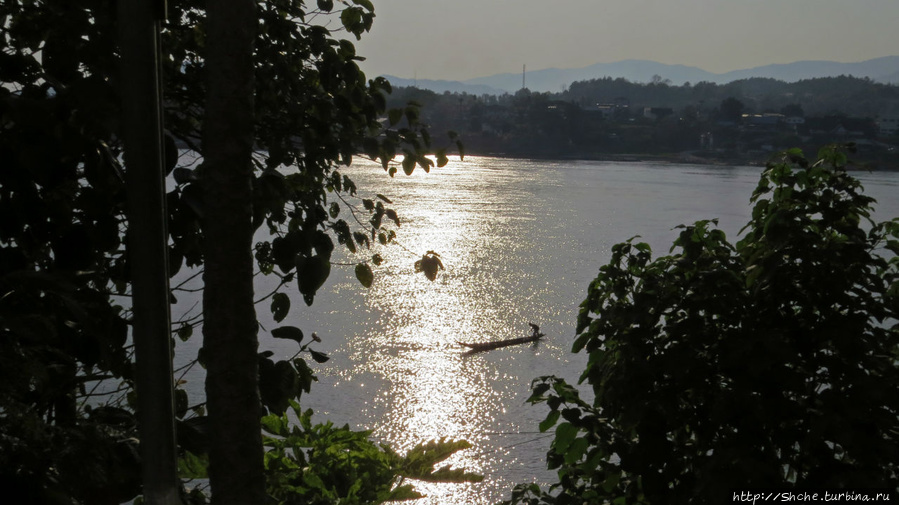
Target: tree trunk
x=147, y=251
x=229, y=330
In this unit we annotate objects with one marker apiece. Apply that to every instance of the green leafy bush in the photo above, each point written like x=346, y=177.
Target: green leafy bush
x=322, y=464
x=771, y=363
x=313, y=464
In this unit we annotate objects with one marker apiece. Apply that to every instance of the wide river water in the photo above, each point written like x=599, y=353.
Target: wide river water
x=521, y=240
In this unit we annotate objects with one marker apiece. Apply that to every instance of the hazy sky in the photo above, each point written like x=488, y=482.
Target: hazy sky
x=463, y=39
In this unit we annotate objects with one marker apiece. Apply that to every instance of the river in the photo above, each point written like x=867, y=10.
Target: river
x=520, y=240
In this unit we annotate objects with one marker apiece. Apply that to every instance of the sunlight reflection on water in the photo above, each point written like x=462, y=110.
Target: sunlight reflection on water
x=428, y=387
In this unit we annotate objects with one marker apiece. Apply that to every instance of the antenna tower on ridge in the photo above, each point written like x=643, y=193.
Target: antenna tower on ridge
x=523, y=69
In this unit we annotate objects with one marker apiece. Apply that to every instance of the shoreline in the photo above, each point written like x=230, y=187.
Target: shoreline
x=689, y=158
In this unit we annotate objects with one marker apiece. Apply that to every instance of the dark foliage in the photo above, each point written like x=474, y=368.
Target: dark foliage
x=66, y=427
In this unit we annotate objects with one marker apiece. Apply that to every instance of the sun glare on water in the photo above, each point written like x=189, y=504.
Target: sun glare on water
x=419, y=383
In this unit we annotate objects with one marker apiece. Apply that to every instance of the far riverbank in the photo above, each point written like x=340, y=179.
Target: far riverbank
x=858, y=161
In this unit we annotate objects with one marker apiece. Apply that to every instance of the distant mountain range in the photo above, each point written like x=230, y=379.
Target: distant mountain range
x=884, y=70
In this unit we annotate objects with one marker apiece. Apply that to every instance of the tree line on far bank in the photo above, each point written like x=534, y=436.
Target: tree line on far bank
x=740, y=121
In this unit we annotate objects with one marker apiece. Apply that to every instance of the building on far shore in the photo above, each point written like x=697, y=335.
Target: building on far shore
x=888, y=125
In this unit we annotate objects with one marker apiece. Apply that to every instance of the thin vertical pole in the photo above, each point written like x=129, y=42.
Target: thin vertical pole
x=148, y=246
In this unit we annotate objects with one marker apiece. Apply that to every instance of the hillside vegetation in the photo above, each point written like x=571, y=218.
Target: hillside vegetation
x=739, y=122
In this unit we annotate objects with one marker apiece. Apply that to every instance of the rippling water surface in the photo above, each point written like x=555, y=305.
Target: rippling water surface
x=520, y=240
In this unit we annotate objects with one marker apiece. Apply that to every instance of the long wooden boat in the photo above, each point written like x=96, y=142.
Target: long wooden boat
x=496, y=344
